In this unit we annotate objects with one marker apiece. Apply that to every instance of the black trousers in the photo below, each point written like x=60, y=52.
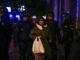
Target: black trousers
x=68, y=43
x=25, y=51
x=52, y=55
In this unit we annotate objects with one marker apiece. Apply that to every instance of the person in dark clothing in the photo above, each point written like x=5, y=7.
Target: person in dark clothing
x=22, y=39
x=68, y=34
x=75, y=47
x=55, y=34
x=5, y=34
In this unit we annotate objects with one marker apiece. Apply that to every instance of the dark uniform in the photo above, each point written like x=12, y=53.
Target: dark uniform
x=56, y=36
x=22, y=39
x=68, y=34
x=53, y=26
x=5, y=34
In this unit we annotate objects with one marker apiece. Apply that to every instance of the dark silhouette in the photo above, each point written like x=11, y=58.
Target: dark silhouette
x=68, y=34
x=5, y=34
x=21, y=37
x=53, y=26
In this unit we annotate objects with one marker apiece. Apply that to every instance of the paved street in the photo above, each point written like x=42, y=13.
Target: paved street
x=74, y=53
x=14, y=52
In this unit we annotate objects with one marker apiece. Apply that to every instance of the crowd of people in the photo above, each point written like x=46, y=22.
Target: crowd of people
x=25, y=31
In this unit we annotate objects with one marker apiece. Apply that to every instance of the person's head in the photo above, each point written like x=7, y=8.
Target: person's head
x=40, y=21
x=25, y=16
x=50, y=15
x=67, y=15
x=34, y=19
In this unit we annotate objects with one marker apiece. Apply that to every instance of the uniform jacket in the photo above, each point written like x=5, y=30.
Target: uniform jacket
x=22, y=31
x=55, y=31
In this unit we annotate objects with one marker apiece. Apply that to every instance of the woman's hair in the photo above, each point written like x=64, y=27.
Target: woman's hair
x=38, y=19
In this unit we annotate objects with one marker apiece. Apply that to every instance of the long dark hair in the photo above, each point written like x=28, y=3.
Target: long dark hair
x=38, y=19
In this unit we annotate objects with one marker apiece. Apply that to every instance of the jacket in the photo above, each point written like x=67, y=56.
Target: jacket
x=45, y=34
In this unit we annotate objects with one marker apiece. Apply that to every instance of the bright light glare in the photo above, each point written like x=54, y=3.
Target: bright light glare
x=9, y=9
x=34, y=17
x=44, y=17
x=10, y=16
x=17, y=16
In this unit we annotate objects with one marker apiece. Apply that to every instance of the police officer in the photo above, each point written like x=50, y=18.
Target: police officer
x=5, y=34
x=68, y=34
x=53, y=26
x=23, y=40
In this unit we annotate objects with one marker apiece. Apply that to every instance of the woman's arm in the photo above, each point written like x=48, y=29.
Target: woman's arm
x=33, y=33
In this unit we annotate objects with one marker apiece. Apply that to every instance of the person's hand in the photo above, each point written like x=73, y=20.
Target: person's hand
x=38, y=37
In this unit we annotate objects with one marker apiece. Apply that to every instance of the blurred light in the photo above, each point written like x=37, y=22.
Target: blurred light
x=22, y=8
x=34, y=17
x=68, y=11
x=77, y=12
x=11, y=16
x=18, y=17
x=9, y=9
x=47, y=1
x=58, y=20
x=0, y=19
x=44, y=17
